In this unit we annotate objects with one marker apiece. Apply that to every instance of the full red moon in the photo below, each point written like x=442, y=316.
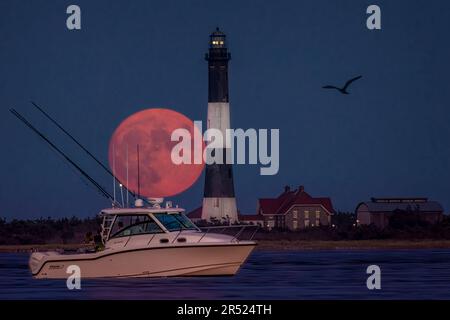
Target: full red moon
x=151, y=129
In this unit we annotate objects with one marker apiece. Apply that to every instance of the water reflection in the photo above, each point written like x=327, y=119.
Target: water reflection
x=414, y=274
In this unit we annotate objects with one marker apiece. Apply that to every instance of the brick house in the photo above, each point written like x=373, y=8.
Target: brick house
x=294, y=209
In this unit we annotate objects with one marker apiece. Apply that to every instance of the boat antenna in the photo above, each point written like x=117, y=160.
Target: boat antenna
x=114, y=170
x=114, y=180
x=138, y=173
x=79, y=144
x=128, y=202
x=121, y=194
x=102, y=190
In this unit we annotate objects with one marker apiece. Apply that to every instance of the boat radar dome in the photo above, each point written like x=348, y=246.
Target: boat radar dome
x=139, y=203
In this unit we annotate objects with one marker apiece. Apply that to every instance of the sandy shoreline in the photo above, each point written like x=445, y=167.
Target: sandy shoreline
x=278, y=245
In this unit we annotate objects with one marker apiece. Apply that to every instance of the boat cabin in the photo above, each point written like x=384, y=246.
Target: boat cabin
x=125, y=222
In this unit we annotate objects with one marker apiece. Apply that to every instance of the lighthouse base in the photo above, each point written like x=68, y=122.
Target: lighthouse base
x=220, y=209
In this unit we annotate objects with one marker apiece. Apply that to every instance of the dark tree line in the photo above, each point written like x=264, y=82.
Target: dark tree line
x=402, y=226
x=47, y=230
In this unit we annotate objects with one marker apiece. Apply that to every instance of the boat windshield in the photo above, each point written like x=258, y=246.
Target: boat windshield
x=129, y=225
x=175, y=221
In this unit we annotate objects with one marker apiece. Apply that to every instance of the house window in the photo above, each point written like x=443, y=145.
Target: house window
x=294, y=214
x=216, y=202
x=294, y=225
x=317, y=217
x=280, y=222
x=306, y=214
x=306, y=223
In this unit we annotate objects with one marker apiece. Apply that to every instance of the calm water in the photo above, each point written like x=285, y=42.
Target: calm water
x=413, y=274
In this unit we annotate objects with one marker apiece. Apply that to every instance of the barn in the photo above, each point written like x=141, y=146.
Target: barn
x=379, y=211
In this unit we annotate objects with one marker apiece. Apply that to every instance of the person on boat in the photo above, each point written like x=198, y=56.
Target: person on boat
x=98, y=243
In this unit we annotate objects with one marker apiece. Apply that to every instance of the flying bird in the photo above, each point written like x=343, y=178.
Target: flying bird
x=344, y=89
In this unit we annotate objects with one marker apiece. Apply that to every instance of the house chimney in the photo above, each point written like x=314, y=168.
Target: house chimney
x=301, y=189
x=287, y=188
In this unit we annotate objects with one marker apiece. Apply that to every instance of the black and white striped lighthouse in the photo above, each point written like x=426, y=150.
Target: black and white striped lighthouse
x=219, y=201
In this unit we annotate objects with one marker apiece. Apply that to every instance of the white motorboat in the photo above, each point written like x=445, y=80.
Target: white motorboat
x=150, y=242
x=142, y=241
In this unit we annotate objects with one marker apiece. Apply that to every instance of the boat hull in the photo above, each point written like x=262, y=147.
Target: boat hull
x=163, y=261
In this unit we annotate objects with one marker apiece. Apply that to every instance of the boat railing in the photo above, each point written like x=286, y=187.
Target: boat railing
x=236, y=231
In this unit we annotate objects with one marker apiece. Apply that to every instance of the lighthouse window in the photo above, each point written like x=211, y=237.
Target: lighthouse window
x=217, y=42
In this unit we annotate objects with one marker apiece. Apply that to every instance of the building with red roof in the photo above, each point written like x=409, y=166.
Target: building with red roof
x=295, y=209
x=292, y=210
x=196, y=214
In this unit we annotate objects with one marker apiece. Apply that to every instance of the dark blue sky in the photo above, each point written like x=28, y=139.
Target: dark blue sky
x=390, y=137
